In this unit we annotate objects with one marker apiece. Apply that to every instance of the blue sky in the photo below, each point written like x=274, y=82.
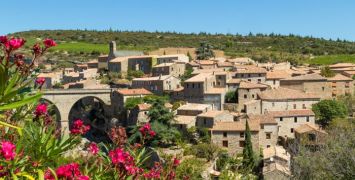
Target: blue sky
x=319, y=18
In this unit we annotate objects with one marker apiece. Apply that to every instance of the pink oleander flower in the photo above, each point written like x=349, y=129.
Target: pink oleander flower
x=36, y=49
x=93, y=148
x=147, y=129
x=41, y=109
x=79, y=128
x=8, y=150
x=49, y=43
x=40, y=81
x=152, y=133
x=83, y=178
x=3, y=39
x=68, y=171
x=171, y=175
x=176, y=162
x=16, y=43
x=155, y=172
x=124, y=161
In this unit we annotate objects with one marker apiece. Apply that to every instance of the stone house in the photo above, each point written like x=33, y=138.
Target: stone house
x=176, y=69
x=233, y=84
x=283, y=99
x=341, y=85
x=231, y=135
x=120, y=96
x=250, y=73
x=138, y=115
x=273, y=77
x=186, y=115
x=171, y=58
x=209, y=118
x=102, y=62
x=80, y=67
x=158, y=84
x=93, y=64
x=195, y=87
x=268, y=133
x=50, y=79
x=215, y=97
x=134, y=63
x=289, y=120
x=248, y=91
x=309, y=135
x=309, y=83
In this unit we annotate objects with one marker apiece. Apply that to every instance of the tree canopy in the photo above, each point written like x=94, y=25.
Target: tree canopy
x=327, y=110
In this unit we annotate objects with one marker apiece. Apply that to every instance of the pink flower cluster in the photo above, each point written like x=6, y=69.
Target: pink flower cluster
x=93, y=148
x=13, y=43
x=69, y=172
x=146, y=129
x=8, y=150
x=49, y=43
x=79, y=128
x=41, y=109
x=124, y=161
x=155, y=172
x=40, y=81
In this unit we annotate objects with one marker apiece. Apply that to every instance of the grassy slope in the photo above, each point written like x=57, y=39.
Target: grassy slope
x=331, y=59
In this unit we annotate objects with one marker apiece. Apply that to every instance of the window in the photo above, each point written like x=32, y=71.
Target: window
x=249, y=80
x=274, y=82
x=307, y=118
x=268, y=135
x=261, y=126
x=323, y=88
x=273, y=104
x=281, y=119
x=252, y=95
x=225, y=143
x=204, y=121
x=224, y=134
x=248, y=75
x=241, y=143
x=199, y=85
x=259, y=75
x=245, y=96
x=187, y=85
x=241, y=134
x=303, y=106
x=259, y=80
x=295, y=119
x=311, y=137
x=193, y=85
x=291, y=130
x=294, y=106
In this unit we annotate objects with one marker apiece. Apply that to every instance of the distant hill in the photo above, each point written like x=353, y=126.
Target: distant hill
x=82, y=45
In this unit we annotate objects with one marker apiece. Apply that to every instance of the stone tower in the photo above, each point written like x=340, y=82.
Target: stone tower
x=112, y=50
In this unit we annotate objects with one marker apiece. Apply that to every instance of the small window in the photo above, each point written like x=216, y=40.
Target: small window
x=295, y=119
x=224, y=134
x=193, y=85
x=252, y=95
x=241, y=143
x=268, y=146
x=291, y=130
x=274, y=82
x=303, y=106
x=199, y=85
x=241, y=134
x=268, y=135
x=307, y=118
x=273, y=104
x=245, y=96
x=204, y=121
x=311, y=137
x=248, y=75
x=281, y=119
x=323, y=88
x=261, y=126
x=294, y=106
x=259, y=80
x=259, y=75
x=249, y=80
x=225, y=143
x=187, y=85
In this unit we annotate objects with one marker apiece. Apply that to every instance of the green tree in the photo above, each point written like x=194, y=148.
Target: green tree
x=187, y=74
x=231, y=97
x=204, y=51
x=327, y=72
x=327, y=110
x=132, y=102
x=248, y=153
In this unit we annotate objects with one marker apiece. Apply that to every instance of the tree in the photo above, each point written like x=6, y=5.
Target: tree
x=327, y=110
x=187, y=74
x=204, y=51
x=327, y=72
x=248, y=153
x=231, y=97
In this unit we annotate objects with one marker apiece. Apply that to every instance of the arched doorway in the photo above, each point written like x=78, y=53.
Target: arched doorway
x=92, y=111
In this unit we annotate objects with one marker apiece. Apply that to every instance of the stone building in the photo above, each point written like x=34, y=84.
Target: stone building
x=186, y=115
x=283, y=99
x=195, y=87
x=273, y=77
x=269, y=130
x=138, y=115
x=158, y=84
x=231, y=135
x=215, y=97
x=247, y=92
x=309, y=83
x=176, y=69
x=341, y=85
x=172, y=58
x=209, y=118
x=311, y=136
x=134, y=63
x=120, y=96
x=289, y=120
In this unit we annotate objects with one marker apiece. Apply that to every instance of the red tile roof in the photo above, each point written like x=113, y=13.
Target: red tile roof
x=234, y=126
x=307, y=127
x=131, y=92
x=291, y=113
x=339, y=77
x=285, y=94
x=250, y=85
x=262, y=119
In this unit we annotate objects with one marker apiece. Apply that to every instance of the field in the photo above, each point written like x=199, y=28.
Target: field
x=331, y=59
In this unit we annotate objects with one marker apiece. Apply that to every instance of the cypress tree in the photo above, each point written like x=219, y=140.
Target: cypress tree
x=248, y=154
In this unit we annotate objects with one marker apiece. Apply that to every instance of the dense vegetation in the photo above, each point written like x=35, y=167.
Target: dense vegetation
x=261, y=47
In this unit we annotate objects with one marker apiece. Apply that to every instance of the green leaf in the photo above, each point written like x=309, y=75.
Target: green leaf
x=19, y=130
x=24, y=101
x=40, y=174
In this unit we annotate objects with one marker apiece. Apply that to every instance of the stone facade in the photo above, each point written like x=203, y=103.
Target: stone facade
x=209, y=118
x=175, y=69
x=157, y=85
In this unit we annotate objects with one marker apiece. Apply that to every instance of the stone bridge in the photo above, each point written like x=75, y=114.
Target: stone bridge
x=64, y=100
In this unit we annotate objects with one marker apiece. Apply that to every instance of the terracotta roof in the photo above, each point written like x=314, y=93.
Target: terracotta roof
x=342, y=65
x=339, y=77
x=155, y=78
x=281, y=74
x=234, y=126
x=306, y=77
x=291, y=113
x=194, y=106
x=284, y=94
x=130, y=92
x=211, y=114
x=180, y=119
x=250, y=85
x=251, y=70
x=225, y=64
x=215, y=70
x=143, y=106
x=307, y=127
x=199, y=78
x=262, y=119
x=349, y=72
x=216, y=90
x=234, y=81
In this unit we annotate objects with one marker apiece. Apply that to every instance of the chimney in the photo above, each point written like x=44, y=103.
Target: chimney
x=112, y=48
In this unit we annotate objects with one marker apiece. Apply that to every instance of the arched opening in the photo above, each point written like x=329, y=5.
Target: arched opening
x=53, y=111
x=92, y=111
